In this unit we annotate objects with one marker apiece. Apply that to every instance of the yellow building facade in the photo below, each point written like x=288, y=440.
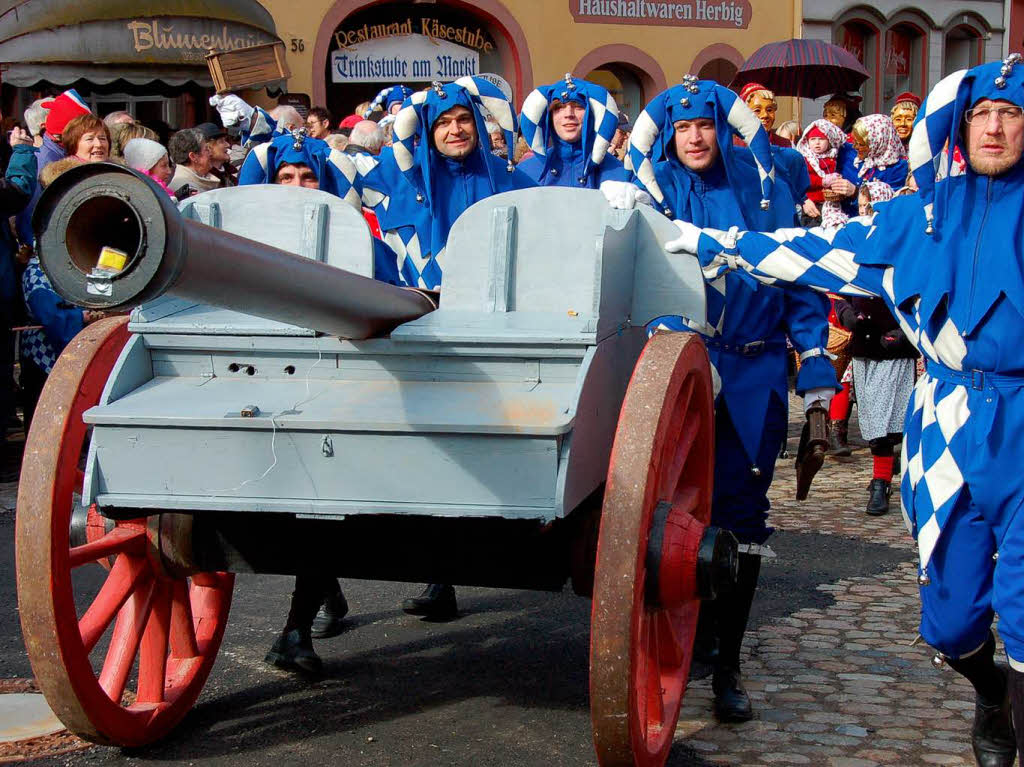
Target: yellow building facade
x=342, y=52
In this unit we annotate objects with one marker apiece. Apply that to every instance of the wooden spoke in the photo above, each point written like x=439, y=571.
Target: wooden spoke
x=124, y=644
x=120, y=540
x=122, y=581
x=173, y=631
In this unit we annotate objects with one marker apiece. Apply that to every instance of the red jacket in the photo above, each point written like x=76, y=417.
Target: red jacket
x=815, y=193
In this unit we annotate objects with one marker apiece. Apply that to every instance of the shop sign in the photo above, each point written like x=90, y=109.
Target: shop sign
x=688, y=13
x=180, y=39
x=432, y=29
x=409, y=58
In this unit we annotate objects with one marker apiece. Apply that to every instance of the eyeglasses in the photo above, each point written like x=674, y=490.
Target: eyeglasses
x=1003, y=114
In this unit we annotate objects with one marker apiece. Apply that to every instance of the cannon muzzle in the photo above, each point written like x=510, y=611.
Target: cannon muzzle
x=102, y=205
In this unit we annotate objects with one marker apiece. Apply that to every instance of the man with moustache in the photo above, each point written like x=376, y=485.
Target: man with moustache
x=948, y=263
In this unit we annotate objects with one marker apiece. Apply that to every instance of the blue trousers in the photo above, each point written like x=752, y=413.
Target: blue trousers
x=740, y=499
x=969, y=584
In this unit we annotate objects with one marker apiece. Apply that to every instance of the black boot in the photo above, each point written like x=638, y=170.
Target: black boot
x=436, y=602
x=329, y=620
x=992, y=735
x=293, y=651
x=705, y=644
x=1016, y=685
x=732, y=611
x=732, y=704
x=878, y=497
x=837, y=439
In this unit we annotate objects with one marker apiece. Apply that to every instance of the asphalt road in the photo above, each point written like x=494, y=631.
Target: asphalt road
x=504, y=685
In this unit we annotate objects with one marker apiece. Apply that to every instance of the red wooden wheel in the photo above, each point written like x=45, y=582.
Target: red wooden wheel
x=143, y=625
x=657, y=505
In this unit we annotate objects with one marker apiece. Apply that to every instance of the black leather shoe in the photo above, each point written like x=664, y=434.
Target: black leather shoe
x=293, y=651
x=437, y=601
x=329, y=620
x=878, y=497
x=992, y=736
x=732, y=704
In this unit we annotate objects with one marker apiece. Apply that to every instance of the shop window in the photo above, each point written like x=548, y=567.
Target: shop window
x=722, y=71
x=860, y=38
x=963, y=49
x=904, y=62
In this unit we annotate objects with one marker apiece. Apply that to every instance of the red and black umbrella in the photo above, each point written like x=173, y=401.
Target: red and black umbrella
x=806, y=68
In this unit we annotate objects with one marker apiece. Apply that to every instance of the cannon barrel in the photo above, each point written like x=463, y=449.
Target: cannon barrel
x=101, y=205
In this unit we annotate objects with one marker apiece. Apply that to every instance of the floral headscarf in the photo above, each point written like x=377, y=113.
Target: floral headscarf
x=884, y=145
x=878, y=191
x=836, y=138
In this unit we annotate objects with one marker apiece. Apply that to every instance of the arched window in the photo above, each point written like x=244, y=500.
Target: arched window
x=904, y=63
x=722, y=71
x=859, y=36
x=623, y=82
x=964, y=46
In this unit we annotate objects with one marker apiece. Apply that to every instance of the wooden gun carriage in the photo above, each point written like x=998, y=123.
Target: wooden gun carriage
x=524, y=434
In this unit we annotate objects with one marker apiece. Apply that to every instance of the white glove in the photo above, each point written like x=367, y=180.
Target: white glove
x=232, y=110
x=622, y=195
x=689, y=234
x=820, y=397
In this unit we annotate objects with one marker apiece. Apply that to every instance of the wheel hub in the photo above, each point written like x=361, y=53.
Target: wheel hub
x=686, y=560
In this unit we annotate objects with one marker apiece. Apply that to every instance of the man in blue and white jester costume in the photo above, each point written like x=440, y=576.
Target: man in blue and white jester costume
x=439, y=165
x=683, y=154
x=570, y=125
x=949, y=262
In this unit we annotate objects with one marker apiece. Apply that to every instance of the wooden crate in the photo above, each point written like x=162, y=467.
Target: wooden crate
x=248, y=67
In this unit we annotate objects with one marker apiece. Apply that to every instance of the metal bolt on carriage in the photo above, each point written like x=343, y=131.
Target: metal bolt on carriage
x=267, y=404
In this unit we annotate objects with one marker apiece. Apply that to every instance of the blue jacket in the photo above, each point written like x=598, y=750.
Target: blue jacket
x=566, y=165
x=747, y=324
x=417, y=228
x=15, y=192
x=61, y=321
x=958, y=295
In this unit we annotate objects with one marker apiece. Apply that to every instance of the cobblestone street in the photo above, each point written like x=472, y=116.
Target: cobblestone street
x=841, y=686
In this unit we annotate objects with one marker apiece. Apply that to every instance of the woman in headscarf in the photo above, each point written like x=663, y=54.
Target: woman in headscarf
x=883, y=370
x=880, y=156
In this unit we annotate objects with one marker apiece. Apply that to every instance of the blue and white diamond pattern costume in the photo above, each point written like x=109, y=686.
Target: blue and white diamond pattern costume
x=747, y=324
x=417, y=192
x=950, y=264
x=584, y=163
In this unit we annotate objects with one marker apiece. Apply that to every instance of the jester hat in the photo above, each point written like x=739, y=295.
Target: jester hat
x=335, y=170
x=412, y=139
x=391, y=95
x=654, y=132
x=941, y=116
x=600, y=120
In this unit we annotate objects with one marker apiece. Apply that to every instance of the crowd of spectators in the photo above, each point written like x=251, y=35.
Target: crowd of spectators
x=58, y=133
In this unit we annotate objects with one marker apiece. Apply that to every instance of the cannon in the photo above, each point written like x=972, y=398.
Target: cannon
x=266, y=404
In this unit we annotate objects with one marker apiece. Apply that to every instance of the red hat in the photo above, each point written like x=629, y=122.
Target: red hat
x=63, y=109
x=350, y=121
x=908, y=96
x=815, y=132
x=749, y=88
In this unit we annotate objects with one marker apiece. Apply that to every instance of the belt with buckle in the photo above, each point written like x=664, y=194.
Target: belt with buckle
x=751, y=349
x=975, y=379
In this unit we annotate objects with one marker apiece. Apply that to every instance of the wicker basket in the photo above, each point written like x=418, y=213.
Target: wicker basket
x=839, y=345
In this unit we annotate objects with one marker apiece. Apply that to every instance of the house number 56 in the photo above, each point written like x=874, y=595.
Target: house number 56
x=298, y=45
